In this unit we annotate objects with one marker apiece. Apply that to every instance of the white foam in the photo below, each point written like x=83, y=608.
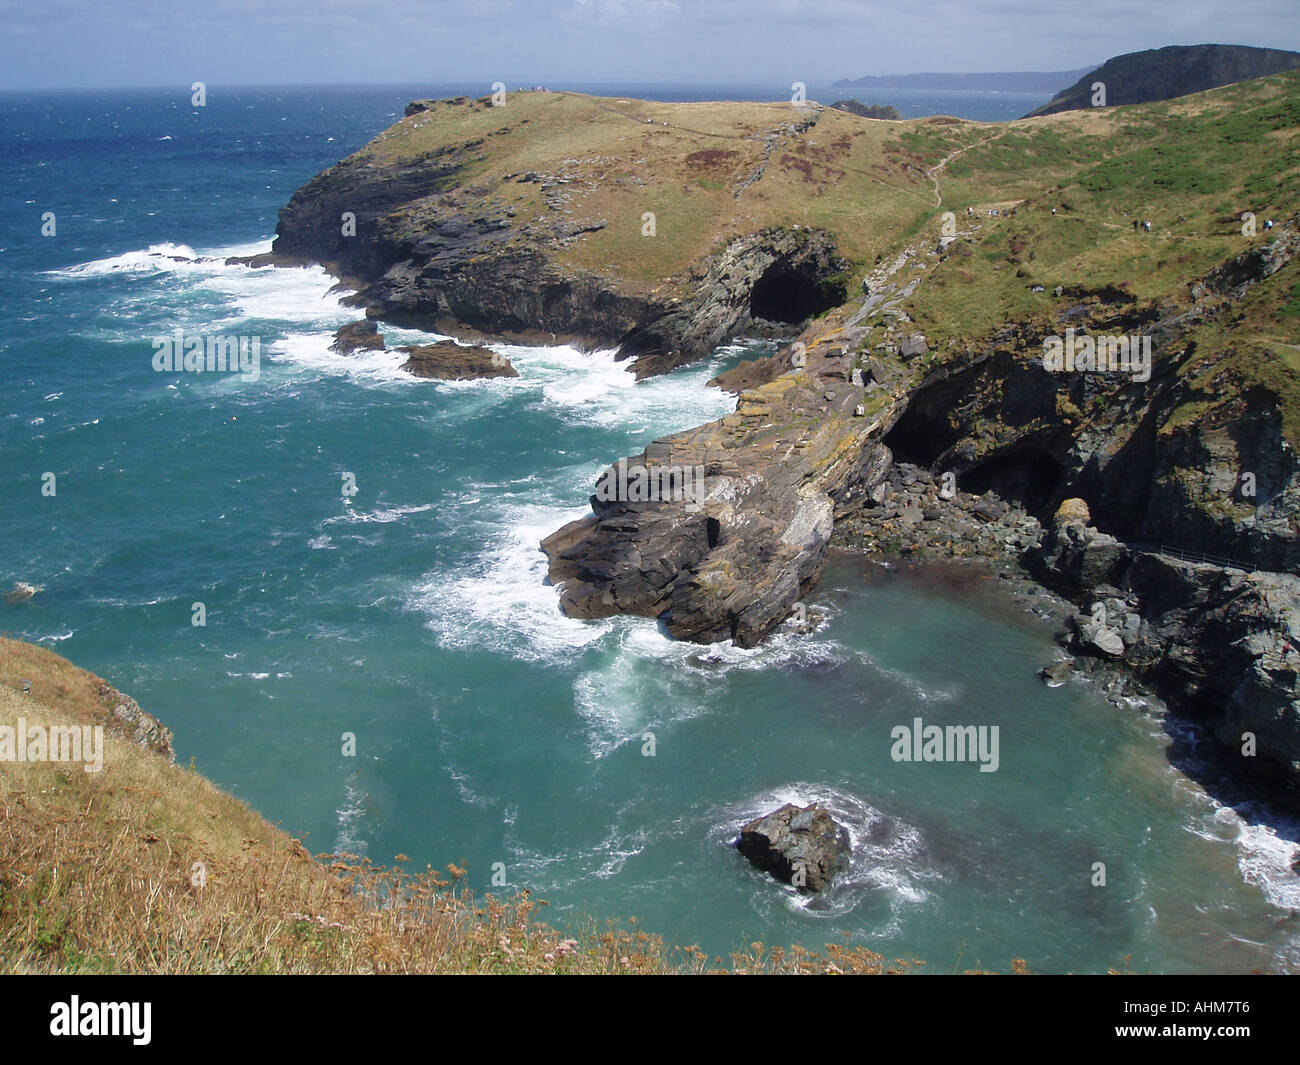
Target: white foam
x=651, y=681
x=556, y=870
x=349, y=818
x=154, y=259
x=888, y=855
x=499, y=599
x=383, y=516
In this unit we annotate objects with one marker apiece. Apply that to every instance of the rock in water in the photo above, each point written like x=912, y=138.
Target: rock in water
x=21, y=591
x=358, y=336
x=1057, y=673
x=455, y=362
x=803, y=846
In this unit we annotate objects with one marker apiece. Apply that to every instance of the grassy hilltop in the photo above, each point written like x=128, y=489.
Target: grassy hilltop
x=458, y=190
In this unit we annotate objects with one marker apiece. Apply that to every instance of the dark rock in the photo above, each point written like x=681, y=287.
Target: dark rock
x=429, y=253
x=803, y=846
x=729, y=560
x=877, y=111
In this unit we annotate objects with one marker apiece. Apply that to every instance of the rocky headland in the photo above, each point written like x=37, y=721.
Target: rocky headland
x=1170, y=72
x=918, y=416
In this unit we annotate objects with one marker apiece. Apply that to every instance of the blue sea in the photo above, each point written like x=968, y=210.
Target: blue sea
x=413, y=613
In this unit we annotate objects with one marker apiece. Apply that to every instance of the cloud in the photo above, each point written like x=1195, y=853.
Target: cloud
x=130, y=42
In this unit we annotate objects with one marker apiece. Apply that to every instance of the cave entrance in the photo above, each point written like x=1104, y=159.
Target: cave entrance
x=790, y=295
x=1028, y=475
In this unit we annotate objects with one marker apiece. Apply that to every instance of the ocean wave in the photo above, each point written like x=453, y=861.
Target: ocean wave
x=350, y=821
x=500, y=598
x=153, y=259
x=649, y=681
x=382, y=517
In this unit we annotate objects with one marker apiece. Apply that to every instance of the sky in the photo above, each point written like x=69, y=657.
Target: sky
x=120, y=43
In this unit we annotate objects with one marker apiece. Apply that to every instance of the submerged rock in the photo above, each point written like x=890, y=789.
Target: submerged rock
x=1057, y=673
x=20, y=591
x=802, y=846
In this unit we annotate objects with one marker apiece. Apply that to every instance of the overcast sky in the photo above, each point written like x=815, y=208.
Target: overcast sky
x=108, y=43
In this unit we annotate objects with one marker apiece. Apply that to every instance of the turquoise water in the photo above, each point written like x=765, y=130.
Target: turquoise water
x=414, y=614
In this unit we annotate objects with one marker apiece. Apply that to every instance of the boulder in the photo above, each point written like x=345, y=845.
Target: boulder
x=1073, y=510
x=1095, y=638
x=20, y=591
x=803, y=846
x=913, y=346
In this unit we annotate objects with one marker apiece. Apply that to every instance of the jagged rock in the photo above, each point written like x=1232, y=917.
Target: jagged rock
x=431, y=251
x=145, y=729
x=450, y=361
x=803, y=846
x=1094, y=637
x=730, y=559
x=358, y=336
x=1081, y=557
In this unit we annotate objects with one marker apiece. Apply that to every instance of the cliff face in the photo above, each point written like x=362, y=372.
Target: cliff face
x=1159, y=461
x=1192, y=487
x=1167, y=73
x=453, y=239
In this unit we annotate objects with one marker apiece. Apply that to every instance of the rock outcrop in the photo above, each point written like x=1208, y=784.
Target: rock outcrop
x=450, y=361
x=358, y=336
x=803, y=846
x=876, y=111
x=1219, y=643
x=730, y=557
